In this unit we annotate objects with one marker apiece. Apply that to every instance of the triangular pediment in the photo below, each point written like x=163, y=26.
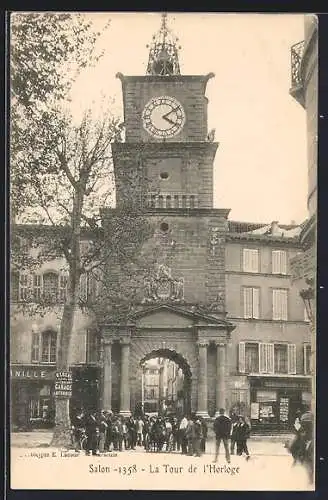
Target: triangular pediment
x=167, y=315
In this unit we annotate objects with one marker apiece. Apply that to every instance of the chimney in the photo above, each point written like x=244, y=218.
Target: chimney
x=275, y=231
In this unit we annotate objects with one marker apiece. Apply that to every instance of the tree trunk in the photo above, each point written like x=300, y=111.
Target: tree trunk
x=62, y=432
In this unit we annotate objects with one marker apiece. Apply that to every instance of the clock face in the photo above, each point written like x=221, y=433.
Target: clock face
x=163, y=117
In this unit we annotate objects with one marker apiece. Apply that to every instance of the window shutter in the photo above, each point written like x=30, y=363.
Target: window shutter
x=248, y=302
x=255, y=261
x=279, y=305
x=292, y=359
x=270, y=358
x=283, y=262
x=241, y=357
x=304, y=359
x=275, y=262
x=284, y=313
x=35, y=347
x=263, y=357
x=256, y=303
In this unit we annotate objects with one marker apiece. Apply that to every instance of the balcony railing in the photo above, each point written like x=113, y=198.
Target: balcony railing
x=296, y=53
x=172, y=200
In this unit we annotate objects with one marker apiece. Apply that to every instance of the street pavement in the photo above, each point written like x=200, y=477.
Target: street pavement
x=35, y=464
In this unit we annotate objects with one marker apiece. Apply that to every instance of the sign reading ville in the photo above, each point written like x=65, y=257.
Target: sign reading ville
x=30, y=373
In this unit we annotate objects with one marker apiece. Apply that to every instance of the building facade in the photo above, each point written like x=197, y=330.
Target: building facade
x=217, y=302
x=304, y=88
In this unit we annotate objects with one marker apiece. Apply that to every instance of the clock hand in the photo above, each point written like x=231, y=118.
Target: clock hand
x=172, y=111
x=168, y=120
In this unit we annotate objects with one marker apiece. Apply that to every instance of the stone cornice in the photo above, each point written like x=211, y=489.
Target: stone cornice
x=167, y=147
x=196, y=212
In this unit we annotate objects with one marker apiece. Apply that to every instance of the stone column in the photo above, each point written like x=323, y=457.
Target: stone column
x=125, y=379
x=202, y=379
x=107, y=376
x=220, y=377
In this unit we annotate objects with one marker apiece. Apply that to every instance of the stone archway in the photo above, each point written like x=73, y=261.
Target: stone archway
x=184, y=398
x=183, y=353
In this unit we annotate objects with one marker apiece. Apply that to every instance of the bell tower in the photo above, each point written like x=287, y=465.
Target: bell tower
x=165, y=166
x=167, y=150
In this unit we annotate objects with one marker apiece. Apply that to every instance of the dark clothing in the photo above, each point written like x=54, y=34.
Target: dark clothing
x=92, y=431
x=242, y=432
x=222, y=427
x=226, y=447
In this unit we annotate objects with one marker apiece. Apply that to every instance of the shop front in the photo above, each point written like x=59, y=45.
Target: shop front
x=274, y=401
x=32, y=396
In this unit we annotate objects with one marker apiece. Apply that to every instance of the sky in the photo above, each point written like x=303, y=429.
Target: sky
x=260, y=170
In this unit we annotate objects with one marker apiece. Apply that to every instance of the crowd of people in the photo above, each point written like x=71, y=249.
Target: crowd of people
x=104, y=431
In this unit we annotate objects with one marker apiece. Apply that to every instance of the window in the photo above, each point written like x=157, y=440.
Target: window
x=49, y=347
x=262, y=357
x=23, y=286
x=280, y=358
x=279, y=304
x=251, y=302
x=248, y=357
x=266, y=355
x=35, y=347
x=279, y=262
x=250, y=260
x=37, y=291
x=251, y=358
x=50, y=286
x=307, y=359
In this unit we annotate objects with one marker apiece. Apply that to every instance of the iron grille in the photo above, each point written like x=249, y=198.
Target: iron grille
x=297, y=51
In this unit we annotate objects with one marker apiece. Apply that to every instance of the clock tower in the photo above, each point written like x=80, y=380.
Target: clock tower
x=165, y=166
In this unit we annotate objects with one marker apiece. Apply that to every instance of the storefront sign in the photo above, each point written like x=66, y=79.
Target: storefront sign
x=63, y=384
x=31, y=373
x=288, y=384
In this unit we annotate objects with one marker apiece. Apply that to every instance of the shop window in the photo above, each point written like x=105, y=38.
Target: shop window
x=279, y=304
x=279, y=262
x=48, y=347
x=280, y=358
x=250, y=260
x=251, y=302
x=50, y=286
x=267, y=406
x=307, y=359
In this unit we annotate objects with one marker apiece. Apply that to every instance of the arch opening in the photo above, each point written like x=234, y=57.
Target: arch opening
x=166, y=383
